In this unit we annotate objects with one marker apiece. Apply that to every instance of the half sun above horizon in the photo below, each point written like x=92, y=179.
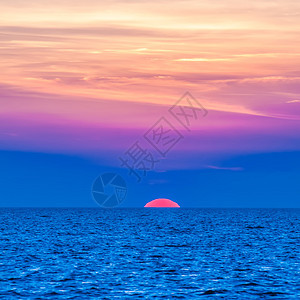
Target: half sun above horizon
x=161, y=202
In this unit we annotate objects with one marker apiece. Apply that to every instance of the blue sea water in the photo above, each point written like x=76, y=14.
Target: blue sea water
x=77, y=253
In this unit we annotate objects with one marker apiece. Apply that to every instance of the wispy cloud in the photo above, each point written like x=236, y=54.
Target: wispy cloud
x=293, y=101
x=226, y=168
x=203, y=59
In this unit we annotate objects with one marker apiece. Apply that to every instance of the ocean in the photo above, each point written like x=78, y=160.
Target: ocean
x=152, y=253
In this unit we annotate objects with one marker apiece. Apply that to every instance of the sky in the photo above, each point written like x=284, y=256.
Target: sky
x=81, y=82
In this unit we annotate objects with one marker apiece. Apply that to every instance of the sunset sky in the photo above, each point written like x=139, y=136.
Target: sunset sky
x=82, y=80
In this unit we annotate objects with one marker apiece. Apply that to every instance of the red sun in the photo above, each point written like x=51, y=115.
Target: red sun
x=161, y=203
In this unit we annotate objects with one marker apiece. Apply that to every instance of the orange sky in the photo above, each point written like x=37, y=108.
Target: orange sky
x=225, y=52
